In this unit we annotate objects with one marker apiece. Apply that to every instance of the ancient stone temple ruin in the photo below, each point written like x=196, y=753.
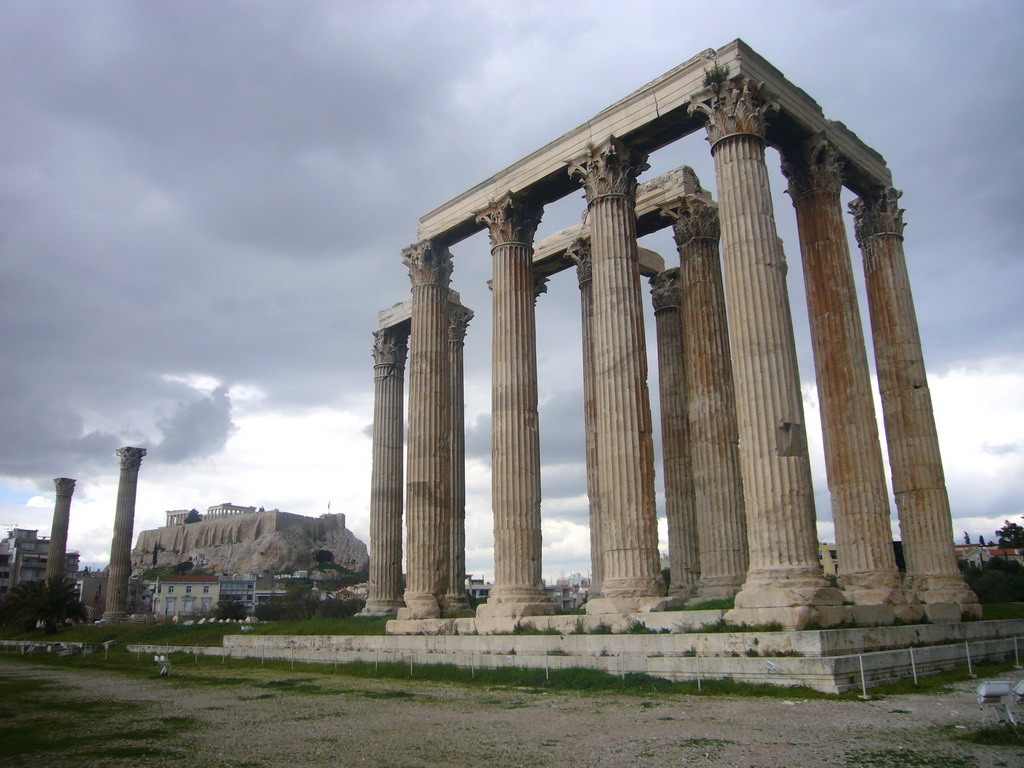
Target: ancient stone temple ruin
x=739, y=498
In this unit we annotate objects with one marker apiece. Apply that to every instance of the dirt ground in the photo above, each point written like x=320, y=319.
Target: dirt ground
x=299, y=721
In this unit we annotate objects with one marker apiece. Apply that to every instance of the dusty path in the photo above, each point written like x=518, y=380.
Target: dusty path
x=299, y=721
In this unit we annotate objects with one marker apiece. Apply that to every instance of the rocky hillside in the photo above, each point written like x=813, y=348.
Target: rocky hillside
x=278, y=542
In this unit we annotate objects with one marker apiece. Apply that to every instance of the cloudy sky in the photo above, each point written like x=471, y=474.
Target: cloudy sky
x=203, y=204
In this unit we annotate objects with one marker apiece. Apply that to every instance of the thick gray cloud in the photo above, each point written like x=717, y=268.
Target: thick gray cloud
x=223, y=190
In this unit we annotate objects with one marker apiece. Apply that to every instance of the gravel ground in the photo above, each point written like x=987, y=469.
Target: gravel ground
x=298, y=720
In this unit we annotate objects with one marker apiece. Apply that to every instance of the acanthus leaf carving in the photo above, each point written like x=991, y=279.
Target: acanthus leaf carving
x=428, y=263
x=511, y=219
x=390, y=347
x=877, y=214
x=458, y=322
x=694, y=217
x=578, y=253
x=665, y=289
x=734, y=107
x=816, y=166
x=64, y=486
x=131, y=458
x=609, y=169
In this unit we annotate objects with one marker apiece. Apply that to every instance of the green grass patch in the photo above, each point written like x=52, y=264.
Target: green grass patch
x=724, y=604
x=995, y=736
x=938, y=683
x=905, y=758
x=727, y=626
x=996, y=611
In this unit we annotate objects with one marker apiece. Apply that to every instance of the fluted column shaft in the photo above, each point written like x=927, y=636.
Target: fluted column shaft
x=781, y=534
x=458, y=321
x=579, y=253
x=853, y=452
x=683, y=547
x=384, y=591
x=57, y=552
x=916, y=463
x=718, y=482
x=625, y=450
x=515, y=442
x=428, y=461
x=124, y=522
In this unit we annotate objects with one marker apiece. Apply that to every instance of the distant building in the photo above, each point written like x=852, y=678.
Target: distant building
x=478, y=589
x=828, y=556
x=23, y=556
x=226, y=510
x=977, y=556
x=186, y=595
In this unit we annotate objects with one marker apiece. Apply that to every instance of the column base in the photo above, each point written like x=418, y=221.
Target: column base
x=684, y=592
x=419, y=607
x=494, y=609
x=457, y=607
x=872, y=588
x=114, y=617
x=787, y=588
x=624, y=605
x=948, y=590
x=719, y=588
x=381, y=608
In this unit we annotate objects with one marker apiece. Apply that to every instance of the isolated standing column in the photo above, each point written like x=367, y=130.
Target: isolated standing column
x=683, y=547
x=428, y=465
x=456, y=601
x=515, y=440
x=124, y=521
x=384, y=591
x=625, y=448
x=579, y=253
x=781, y=534
x=917, y=476
x=55, y=557
x=853, y=453
x=717, y=480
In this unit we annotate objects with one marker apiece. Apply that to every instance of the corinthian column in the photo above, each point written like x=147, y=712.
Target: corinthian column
x=785, y=582
x=456, y=601
x=917, y=476
x=683, y=550
x=579, y=253
x=718, y=483
x=384, y=591
x=515, y=440
x=121, y=546
x=625, y=449
x=853, y=453
x=55, y=557
x=428, y=464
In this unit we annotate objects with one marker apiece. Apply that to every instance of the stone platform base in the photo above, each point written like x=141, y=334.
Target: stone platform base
x=827, y=660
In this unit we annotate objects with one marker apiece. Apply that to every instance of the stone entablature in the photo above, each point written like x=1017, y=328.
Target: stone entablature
x=226, y=509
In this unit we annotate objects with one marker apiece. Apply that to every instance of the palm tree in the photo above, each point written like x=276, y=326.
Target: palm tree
x=51, y=602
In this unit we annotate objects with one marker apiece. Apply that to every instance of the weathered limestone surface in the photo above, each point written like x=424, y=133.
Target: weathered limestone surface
x=384, y=590
x=853, y=453
x=579, y=253
x=917, y=477
x=683, y=548
x=428, y=466
x=276, y=541
x=784, y=571
x=625, y=451
x=55, y=556
x=718, y=483
x=515, y=441
x=121, y=545
x=455, y=601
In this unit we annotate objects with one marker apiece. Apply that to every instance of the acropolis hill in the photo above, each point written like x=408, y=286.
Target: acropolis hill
x=245, y=540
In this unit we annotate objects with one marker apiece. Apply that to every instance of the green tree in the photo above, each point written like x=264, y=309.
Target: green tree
x=229, y=608
x=193, y=516
x=51, y=603
x=1011, y=535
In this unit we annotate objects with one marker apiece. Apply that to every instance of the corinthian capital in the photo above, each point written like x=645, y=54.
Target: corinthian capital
x=609, y=169
x=540, y=286
x=734, y=107
x=694, y=217
x=428, y=263
x=64, y=486
x=877, y=214
x=458, y=321
x=390, y=347
x=511, y=219
x=813, y=167
x=131, y=458
x=665, y=289
x=578, y=253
